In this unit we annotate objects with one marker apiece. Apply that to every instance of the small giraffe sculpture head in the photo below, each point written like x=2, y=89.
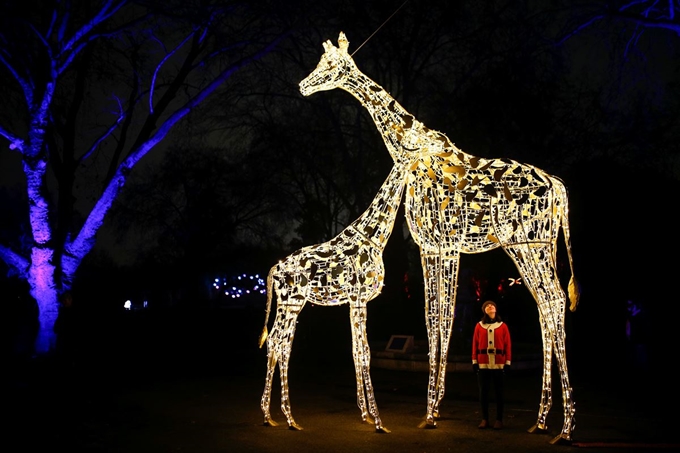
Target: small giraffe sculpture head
x=333, y=68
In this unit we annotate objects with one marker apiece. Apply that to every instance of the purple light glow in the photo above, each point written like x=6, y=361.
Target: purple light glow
x=41, y=278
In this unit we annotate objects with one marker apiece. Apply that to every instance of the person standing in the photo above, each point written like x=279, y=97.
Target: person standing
x=491, y=359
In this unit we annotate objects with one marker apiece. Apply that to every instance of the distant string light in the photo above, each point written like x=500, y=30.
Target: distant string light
x=240, y=285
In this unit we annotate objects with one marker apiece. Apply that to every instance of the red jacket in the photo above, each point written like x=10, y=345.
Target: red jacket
x=491, y=345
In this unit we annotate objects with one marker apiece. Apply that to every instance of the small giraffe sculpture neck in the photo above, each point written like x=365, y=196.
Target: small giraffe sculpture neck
x=376, y=223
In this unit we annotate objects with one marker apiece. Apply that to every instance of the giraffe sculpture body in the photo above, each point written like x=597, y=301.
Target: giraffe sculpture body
x=458, y=203
x=348, y=269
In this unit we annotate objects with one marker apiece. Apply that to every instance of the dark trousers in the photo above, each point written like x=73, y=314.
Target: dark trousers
x=485, y=378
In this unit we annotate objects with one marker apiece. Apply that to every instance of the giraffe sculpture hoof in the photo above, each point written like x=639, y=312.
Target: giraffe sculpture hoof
x=294, y=427
x=427, y=424
x=270, y=422
x=382, y=430
x=562, y=439
x=538, y=429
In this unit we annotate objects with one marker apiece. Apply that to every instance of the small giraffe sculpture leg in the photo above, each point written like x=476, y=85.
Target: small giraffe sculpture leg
x=362, y=356
x=348, y=269
x=279, y=346
x=459, y=203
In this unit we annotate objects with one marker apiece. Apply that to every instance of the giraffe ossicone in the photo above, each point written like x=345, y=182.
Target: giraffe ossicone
x=457, y=203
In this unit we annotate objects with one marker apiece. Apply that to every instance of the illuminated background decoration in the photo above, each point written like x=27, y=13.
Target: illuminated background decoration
x=348, y=269
x=239, y=286
x=458, y=203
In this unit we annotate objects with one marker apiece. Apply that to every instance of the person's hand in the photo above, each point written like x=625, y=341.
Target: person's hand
x=475, y=367
x=506, y=369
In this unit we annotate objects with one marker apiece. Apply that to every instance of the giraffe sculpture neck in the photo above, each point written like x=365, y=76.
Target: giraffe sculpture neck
x=404, y=136
x=376, y=223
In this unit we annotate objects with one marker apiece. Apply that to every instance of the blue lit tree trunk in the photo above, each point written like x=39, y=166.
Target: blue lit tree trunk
x=184, y=63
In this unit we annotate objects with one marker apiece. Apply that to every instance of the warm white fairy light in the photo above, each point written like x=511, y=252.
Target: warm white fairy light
x=348, y=269
x=458, y=203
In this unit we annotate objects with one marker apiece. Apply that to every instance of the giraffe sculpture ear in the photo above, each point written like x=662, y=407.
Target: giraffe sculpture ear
x=343, y=44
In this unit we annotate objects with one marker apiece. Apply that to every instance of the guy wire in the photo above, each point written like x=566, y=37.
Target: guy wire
x=381, y=26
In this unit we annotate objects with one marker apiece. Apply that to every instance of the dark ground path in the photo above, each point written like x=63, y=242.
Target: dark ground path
x=181, y=398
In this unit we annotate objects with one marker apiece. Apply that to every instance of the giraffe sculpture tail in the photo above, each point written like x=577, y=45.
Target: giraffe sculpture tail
x=574, y=293
x=270, y=286
x=573, y=289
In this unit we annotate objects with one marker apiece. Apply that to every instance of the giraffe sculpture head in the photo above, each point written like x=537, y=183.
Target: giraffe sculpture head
x=333, y=68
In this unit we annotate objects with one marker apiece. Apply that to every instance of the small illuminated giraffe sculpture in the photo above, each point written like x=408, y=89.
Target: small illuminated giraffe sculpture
x=346, y=270
x=458, y=203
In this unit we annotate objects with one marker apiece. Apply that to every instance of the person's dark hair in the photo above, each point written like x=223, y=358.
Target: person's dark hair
x=485, y=317
x=488, y=302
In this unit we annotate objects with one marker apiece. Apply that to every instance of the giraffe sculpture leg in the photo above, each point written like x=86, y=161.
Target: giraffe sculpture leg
x=440, y=276
x=279, y=345
x=536, y=263
x=567, y=392
x=285, y=395
x=358, y=374
x=265, y=403
x=447, y=296
x=362, y=356
x=545, y=404
x=357, y=355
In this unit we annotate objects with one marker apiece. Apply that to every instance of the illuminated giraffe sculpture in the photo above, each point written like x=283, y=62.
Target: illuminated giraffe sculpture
x=346, y=270
x=458, y=203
